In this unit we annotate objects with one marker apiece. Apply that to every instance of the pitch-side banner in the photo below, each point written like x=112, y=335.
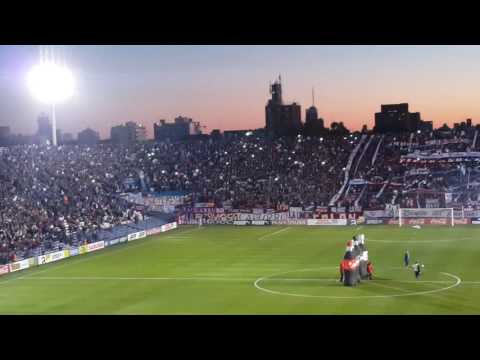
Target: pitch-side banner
x=4, y=269
x=55, y=256
x=137, y=235
x=241, y=222
x=95, y=246
x=327, y=222
x=19, y=265
x=154, y=231
x=260, y=222
x=290, y=222
x=82, y=249
x=169, y=226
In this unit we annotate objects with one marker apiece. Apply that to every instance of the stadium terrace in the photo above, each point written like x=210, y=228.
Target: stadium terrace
x=56, y=198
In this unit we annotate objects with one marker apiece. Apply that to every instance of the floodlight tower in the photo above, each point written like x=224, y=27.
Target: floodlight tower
x=52, y=83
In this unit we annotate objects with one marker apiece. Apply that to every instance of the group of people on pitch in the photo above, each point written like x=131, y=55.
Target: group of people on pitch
x=355, y=265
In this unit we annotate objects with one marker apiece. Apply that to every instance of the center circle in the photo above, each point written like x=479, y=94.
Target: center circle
x=259, y=281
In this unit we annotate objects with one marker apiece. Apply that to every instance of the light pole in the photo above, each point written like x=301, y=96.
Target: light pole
x=52, y=84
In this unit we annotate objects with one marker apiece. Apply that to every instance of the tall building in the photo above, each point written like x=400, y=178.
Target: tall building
x=181, y=128
x=4, y=135
x=138, y=132
x=128, y=133
x=88, y=136
x=44, y=132
x=313, y=124
x=281, y=119
x=4, y=132
x=397, y=118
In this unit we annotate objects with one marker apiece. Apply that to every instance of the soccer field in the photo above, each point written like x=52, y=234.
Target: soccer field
x=257, y=270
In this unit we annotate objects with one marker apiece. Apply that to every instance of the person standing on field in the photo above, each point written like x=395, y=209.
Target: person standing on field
x=341, y=272
x=370, y=270
x=417, y=269
x=406, y=258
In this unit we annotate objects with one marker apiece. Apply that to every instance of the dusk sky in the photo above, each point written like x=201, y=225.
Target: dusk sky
x=226, y=87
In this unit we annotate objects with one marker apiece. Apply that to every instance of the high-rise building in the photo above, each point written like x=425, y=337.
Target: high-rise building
x=181, y=128
x=4, y=132
x=88, y=136
x=281, y=119
x=397, y=118
x=128, y=133
x=4, y=135
x=137, y=131
x=313, y=124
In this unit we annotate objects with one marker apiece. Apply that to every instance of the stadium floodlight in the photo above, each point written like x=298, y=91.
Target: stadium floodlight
x=52, y=84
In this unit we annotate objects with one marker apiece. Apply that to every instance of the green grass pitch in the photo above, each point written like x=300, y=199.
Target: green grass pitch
x=257, y=270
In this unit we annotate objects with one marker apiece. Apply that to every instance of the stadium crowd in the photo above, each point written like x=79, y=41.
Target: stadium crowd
x=53, y=197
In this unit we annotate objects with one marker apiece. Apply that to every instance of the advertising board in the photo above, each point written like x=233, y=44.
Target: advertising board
x=74, y=251
x=290, y=222
x=169, y=226
x=241, y=222
x=82, y=249
x=4, y=269
x=137, y=235
x=261, y=222
x=374, y=221
x=154, y=231
x=48, y=258
x=19, y=265
x=95, y=246
x=327, y=222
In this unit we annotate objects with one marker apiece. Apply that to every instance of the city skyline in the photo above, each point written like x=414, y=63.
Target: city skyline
x=226, y=87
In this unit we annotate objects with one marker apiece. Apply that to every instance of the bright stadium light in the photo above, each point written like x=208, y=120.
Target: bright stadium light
x=52, y=84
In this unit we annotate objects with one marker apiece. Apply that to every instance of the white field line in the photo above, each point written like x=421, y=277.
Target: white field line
x=213, y=278
x=274, y=233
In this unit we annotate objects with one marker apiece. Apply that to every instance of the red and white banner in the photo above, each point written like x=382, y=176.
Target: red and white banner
x=430, y=221
x=19, y=265
x=168, y=227
x=4, y=269
x=95, y=246
x=154, y=231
